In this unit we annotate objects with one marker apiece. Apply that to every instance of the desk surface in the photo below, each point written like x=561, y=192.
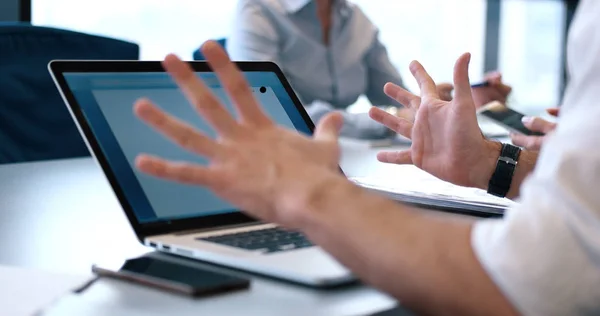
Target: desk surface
x=63, y=216
x=265, y=297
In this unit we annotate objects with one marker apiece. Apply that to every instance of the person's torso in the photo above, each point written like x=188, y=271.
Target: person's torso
x=335, y=72
x=582, y=42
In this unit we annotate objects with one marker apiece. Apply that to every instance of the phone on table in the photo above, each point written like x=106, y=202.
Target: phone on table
x=172, y=277
x=506, y=117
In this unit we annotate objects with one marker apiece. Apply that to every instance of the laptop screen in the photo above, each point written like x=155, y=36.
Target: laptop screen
x=106, y=100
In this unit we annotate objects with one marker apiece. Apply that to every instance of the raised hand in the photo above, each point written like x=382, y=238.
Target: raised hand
x=446, y=139
x=254, y=163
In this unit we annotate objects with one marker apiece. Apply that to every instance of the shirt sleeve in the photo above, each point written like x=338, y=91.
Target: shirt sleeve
x=545, y=254
x=253, y=36
x=380, y=71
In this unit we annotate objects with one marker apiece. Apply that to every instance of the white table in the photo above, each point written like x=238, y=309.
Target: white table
x=62, y=216
x=24, y=291
x=265, y=297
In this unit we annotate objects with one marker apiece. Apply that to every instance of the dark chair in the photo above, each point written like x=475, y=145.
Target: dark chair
x=34, y=121
x=198, y=54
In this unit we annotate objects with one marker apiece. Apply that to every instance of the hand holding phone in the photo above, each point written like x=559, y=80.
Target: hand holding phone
x=506, y=117
x=172, y=277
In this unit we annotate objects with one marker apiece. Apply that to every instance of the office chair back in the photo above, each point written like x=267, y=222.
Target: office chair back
x=34, y=121
x=198, y=54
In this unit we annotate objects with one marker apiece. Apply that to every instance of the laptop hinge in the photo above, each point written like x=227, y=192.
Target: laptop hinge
x=205, y=230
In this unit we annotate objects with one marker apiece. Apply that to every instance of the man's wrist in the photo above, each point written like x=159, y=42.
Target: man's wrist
x=307, y=204
x=490, y=159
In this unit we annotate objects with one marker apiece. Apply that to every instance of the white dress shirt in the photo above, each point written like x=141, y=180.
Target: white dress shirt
x=545, y=254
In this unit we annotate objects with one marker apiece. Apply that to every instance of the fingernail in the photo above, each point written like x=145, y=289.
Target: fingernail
x=390, y=88
x=526, y=119
x=413, y=66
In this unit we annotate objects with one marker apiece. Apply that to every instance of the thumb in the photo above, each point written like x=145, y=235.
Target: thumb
x=329, y=127
x=462, y=87
x=527, y=142
x=536, y=124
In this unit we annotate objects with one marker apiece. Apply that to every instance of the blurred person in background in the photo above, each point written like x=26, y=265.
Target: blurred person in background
x=331, y=53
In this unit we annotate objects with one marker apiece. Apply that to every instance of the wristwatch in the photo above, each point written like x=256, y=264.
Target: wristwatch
x=499, y=184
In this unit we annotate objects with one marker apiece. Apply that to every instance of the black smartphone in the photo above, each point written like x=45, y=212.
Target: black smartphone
x=506, y=117
x=171, y=277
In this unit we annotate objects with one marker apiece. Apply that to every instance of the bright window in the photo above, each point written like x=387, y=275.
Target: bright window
x=158, y=26
x=434, y=32
x=530, y=52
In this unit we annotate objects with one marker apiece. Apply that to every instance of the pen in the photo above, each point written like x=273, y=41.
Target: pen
x=480, y=84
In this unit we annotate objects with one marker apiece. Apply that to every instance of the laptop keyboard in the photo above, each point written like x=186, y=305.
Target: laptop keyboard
x=268, y=240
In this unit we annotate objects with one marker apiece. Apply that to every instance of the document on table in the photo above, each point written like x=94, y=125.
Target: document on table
x=412, y=185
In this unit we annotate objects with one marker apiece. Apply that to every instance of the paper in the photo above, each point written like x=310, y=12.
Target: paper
x=27, y=291
x=413, y=185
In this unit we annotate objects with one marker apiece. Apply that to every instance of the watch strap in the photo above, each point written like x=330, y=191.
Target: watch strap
x=501, y=179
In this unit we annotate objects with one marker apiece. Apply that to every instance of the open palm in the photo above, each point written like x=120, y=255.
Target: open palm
x=446, y=139
x=253, y=163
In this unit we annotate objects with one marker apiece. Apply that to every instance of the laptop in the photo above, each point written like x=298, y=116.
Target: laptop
x=180, y=219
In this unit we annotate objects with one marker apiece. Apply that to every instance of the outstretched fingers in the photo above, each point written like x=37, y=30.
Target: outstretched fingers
x=235, y=84
x=179, y=132
x=426, y=83
x=399, y=125
x=403, y=157
x=200, y=96
x=462, y=86
x=182, y=172
x=402, y=96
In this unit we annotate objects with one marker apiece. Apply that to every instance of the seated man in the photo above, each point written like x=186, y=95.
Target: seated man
x=331, y=53
x=542, y=258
